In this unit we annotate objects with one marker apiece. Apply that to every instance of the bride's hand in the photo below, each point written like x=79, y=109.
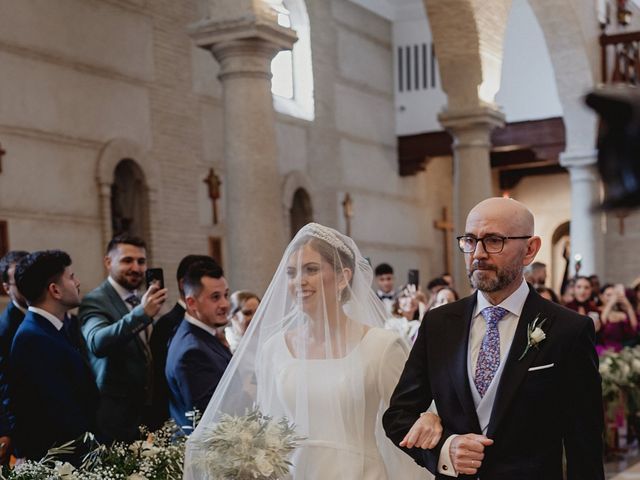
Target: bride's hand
x=425, y=433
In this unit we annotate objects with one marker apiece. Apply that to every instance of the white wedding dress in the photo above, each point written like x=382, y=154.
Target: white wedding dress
x=343, y=440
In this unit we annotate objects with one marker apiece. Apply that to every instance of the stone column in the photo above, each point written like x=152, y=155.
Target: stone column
x=587, y=237
x=472, y=182
x=244, y=45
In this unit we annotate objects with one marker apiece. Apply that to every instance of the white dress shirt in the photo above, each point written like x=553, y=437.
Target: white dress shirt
x=122, y=292
x=199, y=324
x=55, y=321
x=507, y=328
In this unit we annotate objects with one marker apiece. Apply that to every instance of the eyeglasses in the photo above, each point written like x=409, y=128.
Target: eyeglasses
x=490, y=243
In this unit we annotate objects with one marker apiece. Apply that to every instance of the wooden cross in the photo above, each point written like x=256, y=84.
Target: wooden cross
x=347, y=210
x=447, y=227
x=621, y=214
x=2, y=152
x=213, y=182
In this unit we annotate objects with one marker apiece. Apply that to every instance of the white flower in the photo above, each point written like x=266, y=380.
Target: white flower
x=635, y=364
x=537, y=336
x=605, y=368
x=65, y=470
x=136, y=476
x=264, y=466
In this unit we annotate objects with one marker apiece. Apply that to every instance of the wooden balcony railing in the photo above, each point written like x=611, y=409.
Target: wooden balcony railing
x=620, y=58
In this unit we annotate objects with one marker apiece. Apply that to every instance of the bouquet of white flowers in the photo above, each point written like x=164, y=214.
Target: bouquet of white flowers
x=249, y=447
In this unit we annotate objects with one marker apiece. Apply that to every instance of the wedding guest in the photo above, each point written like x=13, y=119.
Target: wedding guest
x=114, y=324
x=596, y=289
x=444, y=296
x=619, y=321
x=53, y=393
x=10, y=320
x=582, y=302
x=197, y=359
x=408, y=310
x=548, y=293
x=163, y=330
x=243, y=306
x=385, y=285
x=566, y=292
x=536, y=274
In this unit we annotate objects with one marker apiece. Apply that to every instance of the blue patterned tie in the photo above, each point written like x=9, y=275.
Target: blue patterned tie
x=489, y=356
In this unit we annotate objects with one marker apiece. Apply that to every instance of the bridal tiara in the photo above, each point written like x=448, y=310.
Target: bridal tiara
x=329, y=235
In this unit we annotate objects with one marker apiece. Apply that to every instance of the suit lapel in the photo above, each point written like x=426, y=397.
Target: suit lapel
x=122, y=310
x=515, y=370
x=458, y=340
x=115, y=300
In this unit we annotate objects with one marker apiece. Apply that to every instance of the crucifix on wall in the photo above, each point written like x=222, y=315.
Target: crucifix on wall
x=447, y=227
x=2, y=152
x=347, y=210
x=213, y=182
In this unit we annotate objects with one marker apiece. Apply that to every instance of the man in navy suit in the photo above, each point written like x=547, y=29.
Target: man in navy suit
x=53, y=393
x=197, y=359
x=514, y=377
x=163, y=330
x=10, y=320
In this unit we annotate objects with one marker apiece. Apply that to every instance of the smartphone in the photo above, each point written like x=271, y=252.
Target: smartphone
x=413, y=277
x=154, y=275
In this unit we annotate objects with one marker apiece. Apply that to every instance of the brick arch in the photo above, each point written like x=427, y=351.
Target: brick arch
x=468, y=37
x=573, y=49
x=112, y=153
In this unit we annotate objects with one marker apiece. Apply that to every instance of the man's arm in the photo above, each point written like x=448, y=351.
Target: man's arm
x=101, y=333
x=411, y=397
x=583, y=409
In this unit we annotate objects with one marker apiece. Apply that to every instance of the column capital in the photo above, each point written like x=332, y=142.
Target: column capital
x=482, y=116
x=579, y=158
x=208, y=33
x=473, y=126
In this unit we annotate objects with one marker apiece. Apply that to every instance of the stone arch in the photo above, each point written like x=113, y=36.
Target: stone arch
x=573, y=49
x=468, y=38
x=301, y=211
x=296, y=183
x=112, y=155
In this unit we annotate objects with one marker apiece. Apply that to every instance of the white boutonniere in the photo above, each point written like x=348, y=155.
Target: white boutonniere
x=535, y=334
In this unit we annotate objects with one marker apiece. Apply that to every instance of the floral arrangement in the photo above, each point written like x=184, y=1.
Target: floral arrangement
x=620, y=372
x=249, y=447
x=159, y=457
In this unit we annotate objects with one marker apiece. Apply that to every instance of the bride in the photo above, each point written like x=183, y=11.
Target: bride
x=317, y=354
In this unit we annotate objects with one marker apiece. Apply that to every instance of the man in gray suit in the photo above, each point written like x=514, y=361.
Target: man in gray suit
x=115, y=323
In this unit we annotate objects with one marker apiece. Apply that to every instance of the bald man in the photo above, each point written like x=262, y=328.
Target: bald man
x=514, y=377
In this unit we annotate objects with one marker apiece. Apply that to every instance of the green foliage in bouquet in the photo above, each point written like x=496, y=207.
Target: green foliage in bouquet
x=159, y=457
x=249, y=447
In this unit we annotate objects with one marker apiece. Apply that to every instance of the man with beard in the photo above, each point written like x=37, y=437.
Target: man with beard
x=514, y=377
x=53, y=393
x=115, y=321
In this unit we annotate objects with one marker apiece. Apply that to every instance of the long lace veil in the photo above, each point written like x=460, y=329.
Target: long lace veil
x=310, y=355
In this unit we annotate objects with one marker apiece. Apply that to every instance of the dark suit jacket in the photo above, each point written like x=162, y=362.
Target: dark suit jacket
x=163, y=331
x=10, y=320
x=120, y=360
x=53, y=392
x=534, y=411
x=195, y=364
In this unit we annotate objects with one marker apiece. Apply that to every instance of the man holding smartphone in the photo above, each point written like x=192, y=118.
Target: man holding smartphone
x=114, y=319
